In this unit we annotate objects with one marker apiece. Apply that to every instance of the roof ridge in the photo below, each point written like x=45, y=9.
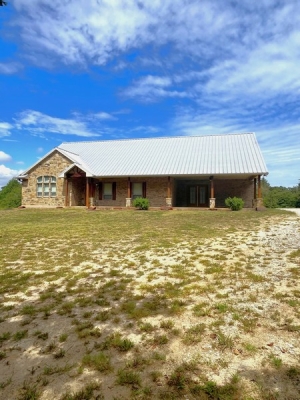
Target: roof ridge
x=156, y=138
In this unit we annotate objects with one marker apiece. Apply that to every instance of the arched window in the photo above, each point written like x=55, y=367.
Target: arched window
x=46, y=186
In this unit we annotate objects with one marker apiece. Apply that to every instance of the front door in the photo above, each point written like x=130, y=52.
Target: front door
x=198, y=195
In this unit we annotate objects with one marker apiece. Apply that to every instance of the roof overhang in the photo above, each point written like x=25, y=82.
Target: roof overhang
x=70, y=167
x=24, y=177
x=207, y=176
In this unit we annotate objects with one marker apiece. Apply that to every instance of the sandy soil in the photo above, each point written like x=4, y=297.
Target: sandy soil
x=268, y=298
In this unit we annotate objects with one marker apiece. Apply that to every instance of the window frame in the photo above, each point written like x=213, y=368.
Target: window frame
x=143, y=193
x=46, y=186
x=101, y=189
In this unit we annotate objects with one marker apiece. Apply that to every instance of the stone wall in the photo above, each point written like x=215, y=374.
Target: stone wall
x=52, y=165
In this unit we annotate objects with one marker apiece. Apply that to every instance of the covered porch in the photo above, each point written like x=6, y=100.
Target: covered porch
x=168, y=191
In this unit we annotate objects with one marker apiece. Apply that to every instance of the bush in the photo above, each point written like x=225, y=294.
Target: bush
x=141, y=203
x=11, y=195
x=234, y=203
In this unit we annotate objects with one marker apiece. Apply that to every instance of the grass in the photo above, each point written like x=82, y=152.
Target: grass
x=86, y=393
x=99, y=362
x=140, y=301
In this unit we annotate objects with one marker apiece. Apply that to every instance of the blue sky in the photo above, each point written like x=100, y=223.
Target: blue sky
x=110, y=69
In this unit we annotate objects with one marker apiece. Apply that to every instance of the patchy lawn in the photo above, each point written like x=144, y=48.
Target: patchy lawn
x=149, y=305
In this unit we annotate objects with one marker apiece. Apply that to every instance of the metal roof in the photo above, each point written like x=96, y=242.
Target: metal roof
x=188, y=155
x=227, y=154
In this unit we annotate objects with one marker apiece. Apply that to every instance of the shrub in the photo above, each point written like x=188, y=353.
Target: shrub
x=141, y=203
x=10, y=195
x=234, y=203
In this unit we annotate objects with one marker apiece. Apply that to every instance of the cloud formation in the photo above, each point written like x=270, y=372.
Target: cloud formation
x=7, y=174
x=42, y=124
x=214, y=69
x=5, y=129
x=4, y=157
x=9, y=68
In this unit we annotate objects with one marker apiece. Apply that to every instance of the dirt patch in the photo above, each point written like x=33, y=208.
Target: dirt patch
x=217, y=309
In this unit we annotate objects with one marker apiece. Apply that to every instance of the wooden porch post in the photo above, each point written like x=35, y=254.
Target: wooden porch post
x=258, y=200
x=67, y=192
x=87, y=193
x=128, y=188
x=212, y=189
x=169, y=195
x=128, y=198
x=212, y=200
x=259, y=188
x=169, y=187
x=254, y=188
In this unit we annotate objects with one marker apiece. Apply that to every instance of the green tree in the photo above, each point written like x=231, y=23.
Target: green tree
x=11, y=195
x=280, y=196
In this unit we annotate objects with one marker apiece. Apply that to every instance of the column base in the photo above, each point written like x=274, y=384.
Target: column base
x=128, y=201
x=212, y=203
x=169, y=201
x=258, y=203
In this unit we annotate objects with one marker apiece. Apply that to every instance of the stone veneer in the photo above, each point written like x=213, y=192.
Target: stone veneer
x=52, y=165
x=156, y=188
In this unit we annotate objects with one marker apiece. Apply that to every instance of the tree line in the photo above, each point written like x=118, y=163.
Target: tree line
x=273, y=196
x=280, y=196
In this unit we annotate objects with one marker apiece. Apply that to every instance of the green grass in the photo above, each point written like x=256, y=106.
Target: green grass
x=123, y=291
x=99, y=361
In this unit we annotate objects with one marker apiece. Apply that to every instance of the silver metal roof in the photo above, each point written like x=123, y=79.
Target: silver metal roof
x=228, y=154
x=188, y=155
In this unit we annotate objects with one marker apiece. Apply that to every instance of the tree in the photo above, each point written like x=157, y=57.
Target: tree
x=11, y=195
x=3, y=3
x=280, y=196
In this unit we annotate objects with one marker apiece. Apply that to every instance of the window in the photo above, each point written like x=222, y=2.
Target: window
x=46, y=186
x=138, y=189
x=107, y=190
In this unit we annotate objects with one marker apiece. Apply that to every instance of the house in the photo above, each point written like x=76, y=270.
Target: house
x=191, y=171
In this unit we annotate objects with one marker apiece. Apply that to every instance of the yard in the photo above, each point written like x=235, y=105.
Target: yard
x=149, y=305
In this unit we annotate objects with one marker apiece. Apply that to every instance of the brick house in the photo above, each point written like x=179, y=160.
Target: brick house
x=193, y=171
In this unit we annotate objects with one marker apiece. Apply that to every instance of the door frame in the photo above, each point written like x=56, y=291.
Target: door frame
x=197, y=203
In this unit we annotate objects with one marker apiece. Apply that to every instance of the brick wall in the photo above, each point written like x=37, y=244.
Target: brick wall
x=156, y=192
x=233, y=188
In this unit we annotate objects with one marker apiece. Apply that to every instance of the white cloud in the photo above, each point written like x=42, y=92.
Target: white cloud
x=150, y=87
x=94, y=32
x=6, y=174
x=246, y=52
x=9, y=68
x=102, y=116
x=41, y=124
x=4, y=157
x=5, y=128
x=279, y=140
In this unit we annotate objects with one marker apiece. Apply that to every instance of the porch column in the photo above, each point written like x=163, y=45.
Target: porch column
x=87, y=193
x=169, y=196
x=259, y=188
x=128, y=198
x=254, y=192
x=67, y=192
x=259, y=200
x=212, y=200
